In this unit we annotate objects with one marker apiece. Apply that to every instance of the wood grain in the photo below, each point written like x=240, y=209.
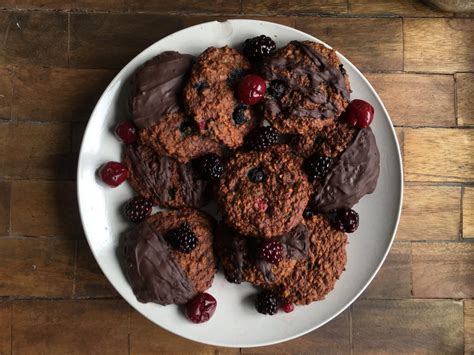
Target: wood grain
x=70, y=327
x=294, y=6
x=441, y=209
x=407, y=326
x=34, y=38
x=382, y=38
x=5, y=329
x=393, y=280
x=45, y=208
x=5, y=190
x=101, y=5
x=44, y=152
x=89, y=279
x=214, y=6
x=147, y=338
x=36, y=268
x=441, y=155
x=112, y=40
x=468, y=326
x=443, y=270
x=468, y=212
x=410, y=8
x=398, y=90
x=6, y=90
x=438, y=45
x=46, y=94
x=464, y=102
x=332, y=338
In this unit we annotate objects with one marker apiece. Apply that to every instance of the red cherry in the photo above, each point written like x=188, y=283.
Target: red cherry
x=201, y=308
x=360, y=113
x=251, y=89
x=113, y=173
x=288, y=307
x=126, y=132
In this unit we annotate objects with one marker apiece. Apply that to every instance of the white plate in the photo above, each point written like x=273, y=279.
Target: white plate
x=235, y=323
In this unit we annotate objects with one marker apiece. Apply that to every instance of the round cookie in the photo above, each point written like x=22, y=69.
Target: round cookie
x=307, y=90
x=176, y=135
x=210, y=96
x=163, y=180
x=160, y=274
x=263, y=193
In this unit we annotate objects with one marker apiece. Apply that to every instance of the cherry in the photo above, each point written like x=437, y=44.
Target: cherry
x=251, y=89
x=360, y=113
x=113, y=173
x=288, y=307
x=201, y=308
x=126, y=132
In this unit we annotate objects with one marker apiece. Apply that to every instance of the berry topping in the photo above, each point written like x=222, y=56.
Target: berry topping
x=201, y=308
x=308, y=213
x=210, y=166
x=271, y=251
x=186, y=128
x=347, y=220
x=288, y=307
x=251, y=89
x=360, y=113
x=317, y=166
x=235, y=76
x=258, y=47
x=256, y=175
x=182, y=238
x=113, y=173
x=267, y=303
x=137, y=209
x=239, y=114
x=261, y=138
x=126, y=132
x=276, y=89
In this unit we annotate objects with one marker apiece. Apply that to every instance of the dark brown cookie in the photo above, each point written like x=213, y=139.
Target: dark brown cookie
x=176, y=135
x=306, y=88
x=159, y=273
x=264, y=193
x=163, y=180
x=210, y=96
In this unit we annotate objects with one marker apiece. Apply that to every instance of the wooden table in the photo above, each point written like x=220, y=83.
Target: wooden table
x=57, y=56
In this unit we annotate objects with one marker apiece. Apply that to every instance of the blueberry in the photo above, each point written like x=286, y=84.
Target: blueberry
x=256, y=175
x=200, y=86
x=235, y=76
x=239, y=114
x=276, y=89
x=186, y=128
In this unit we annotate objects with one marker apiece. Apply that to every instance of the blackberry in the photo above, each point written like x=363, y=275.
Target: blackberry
x=271, y=251
x=347, y=220
x=317, y=166
x=276, y=89
x=258, y=47
x=261, y=138
x=267, y=303
x=210, y=166
x=256, y=175
x=239, y=114
x=137, y=209
x=182, y=238
x=308, y=213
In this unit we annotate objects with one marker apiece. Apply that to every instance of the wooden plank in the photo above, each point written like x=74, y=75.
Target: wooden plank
x=441, y=209
x=409, y=8
x=439, y=154
x=294, y=6
x=46, y=94
x=430, y=44
x=36, y=268
x=147, y=338
x=332, y=338
x=398, y=90
x=385, y=44
x=443, y=270
x=6, y=89
x=34, y=38
x=393, y=280
x=5, y=190
x=464, y=102
x=89, y=280
x=101, y=5
x=198, y=6
x=70, y=327
x=111, y=40
x=407, y=326
x=468, y=326
x=44, y=208
x=5, y=329
x=44, y=152
x=468, y=213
